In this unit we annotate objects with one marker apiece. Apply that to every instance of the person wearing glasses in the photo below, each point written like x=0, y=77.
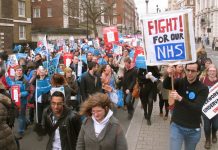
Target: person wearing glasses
x=210, y=125
x=100, y=130
x=189, y=95
x=61, y=123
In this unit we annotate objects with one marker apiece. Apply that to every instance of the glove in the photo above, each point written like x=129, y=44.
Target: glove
x=151, y=77
x=148, y=75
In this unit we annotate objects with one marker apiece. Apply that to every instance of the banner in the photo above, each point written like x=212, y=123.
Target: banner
x=169, y=38
x=15, y=94
x=110, y=35
x=210, y=108
x=52, y=65
x=43, y=86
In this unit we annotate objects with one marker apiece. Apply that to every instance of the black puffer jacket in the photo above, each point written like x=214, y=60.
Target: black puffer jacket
x=69, y=126
x=7, y=139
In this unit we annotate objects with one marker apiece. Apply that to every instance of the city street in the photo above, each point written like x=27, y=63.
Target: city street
x=139, y=135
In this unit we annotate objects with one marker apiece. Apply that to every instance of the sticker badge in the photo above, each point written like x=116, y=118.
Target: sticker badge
x=191, y=95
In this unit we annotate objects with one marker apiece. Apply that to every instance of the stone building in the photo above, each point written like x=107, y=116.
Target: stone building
x=206, y=18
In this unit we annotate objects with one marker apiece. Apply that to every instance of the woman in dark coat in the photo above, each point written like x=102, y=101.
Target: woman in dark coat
x=148, y=89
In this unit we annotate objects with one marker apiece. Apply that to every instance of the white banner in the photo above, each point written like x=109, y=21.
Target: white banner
x=210, y=108
x=169, y=38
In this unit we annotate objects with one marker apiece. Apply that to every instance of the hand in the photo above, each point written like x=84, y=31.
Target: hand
x=174, y=95
x=148, y=75
x=171, y=70
x=127, y=91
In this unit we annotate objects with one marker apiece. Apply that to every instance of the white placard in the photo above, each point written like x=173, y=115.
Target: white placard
x=210, y=108
x=169, y=38
x=110, y=36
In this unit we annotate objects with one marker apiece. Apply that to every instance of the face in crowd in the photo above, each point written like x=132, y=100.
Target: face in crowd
x=179, y=68
x=99, y=113
x=89, y=56
x=57, y=105
x=212, y=71
x=19, y=72
x=75, y=60
x=191, y=72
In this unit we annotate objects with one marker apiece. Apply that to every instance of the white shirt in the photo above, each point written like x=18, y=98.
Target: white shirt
x=99, y=126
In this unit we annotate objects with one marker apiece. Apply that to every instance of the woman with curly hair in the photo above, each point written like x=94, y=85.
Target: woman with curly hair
x=100, y=130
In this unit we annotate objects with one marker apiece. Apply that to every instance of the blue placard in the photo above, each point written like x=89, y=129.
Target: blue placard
x=172, y=51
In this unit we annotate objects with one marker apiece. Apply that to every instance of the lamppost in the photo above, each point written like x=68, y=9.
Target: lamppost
x=146, y=1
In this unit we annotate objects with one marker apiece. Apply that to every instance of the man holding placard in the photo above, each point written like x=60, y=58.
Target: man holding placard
x=189, y=95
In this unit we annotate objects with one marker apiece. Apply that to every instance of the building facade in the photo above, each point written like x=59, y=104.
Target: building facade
x=206, y=18
x=15, y=23
x=55, y=18
x=123, y=15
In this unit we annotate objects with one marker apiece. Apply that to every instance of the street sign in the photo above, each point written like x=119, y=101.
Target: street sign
x=169, y=38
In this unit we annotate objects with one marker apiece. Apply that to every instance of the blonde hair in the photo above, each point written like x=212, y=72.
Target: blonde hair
x=212, y=66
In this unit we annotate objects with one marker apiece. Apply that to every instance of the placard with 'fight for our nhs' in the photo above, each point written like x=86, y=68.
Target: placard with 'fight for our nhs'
x=169, y=38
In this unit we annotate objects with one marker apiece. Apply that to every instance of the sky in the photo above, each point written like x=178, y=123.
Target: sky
x=141, y=6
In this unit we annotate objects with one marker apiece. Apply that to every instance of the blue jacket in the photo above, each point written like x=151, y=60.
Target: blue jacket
x=23, y=83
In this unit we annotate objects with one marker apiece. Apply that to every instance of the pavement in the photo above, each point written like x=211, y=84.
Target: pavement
x=140, y=136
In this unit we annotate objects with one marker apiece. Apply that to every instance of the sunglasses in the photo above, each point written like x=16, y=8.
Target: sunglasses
x=189, y=70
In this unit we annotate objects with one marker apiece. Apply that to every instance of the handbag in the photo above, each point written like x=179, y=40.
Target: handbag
x=135, y=92
x=113, y=96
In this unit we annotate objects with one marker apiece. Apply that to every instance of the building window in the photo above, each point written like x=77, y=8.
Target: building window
x=22, y=33
x=49, y=12
x=36, y=12
x=191, y=2
x=21, y=9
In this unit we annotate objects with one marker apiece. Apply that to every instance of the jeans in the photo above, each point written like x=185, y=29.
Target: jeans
x=210, y=125
x=22, y=119
x=178, y=134
x=129, y=102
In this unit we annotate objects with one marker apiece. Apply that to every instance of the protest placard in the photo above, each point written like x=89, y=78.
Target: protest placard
x=210, y=108
x=15, y=94
x=169, y=38
x=110, y=35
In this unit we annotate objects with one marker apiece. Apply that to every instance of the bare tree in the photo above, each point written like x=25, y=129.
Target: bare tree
x=91, y=12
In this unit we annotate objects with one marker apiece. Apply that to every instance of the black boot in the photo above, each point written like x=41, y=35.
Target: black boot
x=207, y=144
x=214, y=138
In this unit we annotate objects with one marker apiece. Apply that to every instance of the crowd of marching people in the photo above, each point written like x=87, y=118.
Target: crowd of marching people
x=76, y=104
